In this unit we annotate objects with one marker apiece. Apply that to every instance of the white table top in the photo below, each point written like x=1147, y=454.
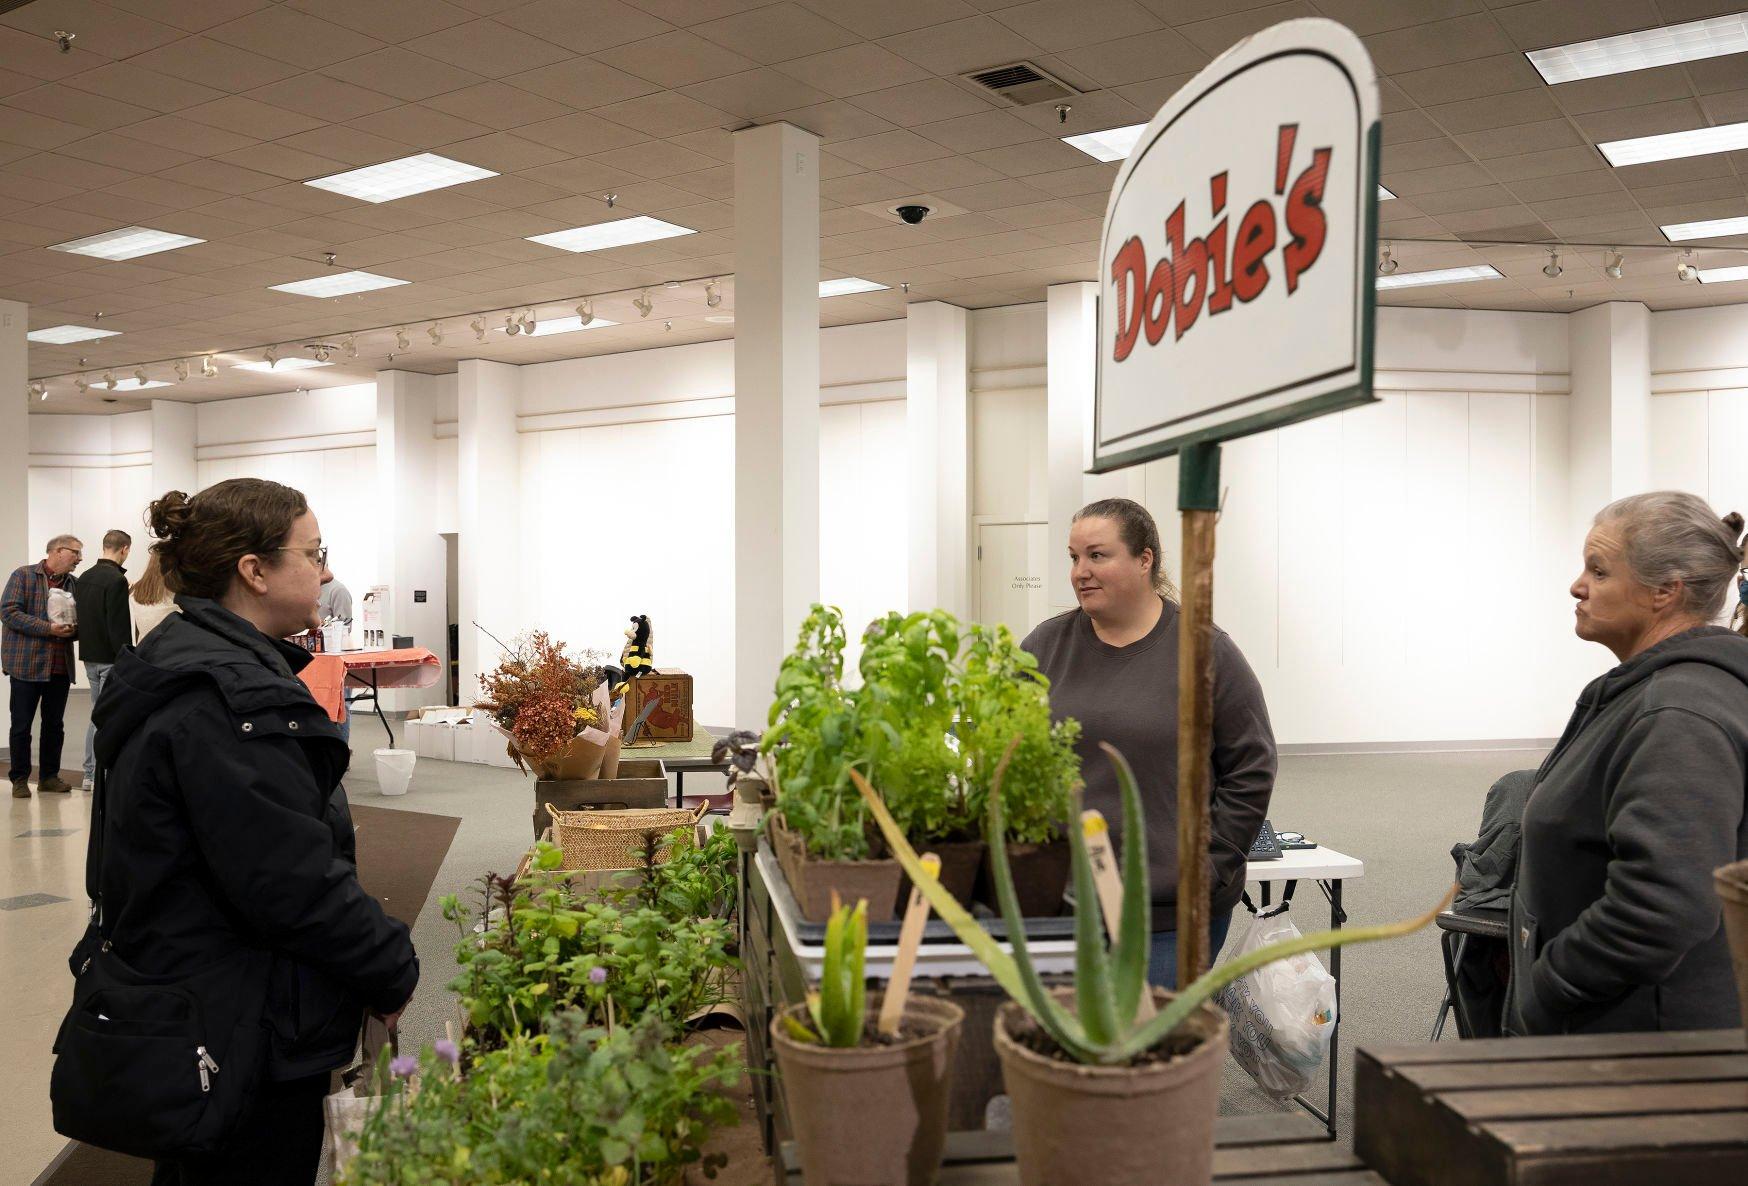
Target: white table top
x=1307, y=864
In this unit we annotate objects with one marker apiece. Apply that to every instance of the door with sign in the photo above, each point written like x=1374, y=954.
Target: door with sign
x=1010, y=575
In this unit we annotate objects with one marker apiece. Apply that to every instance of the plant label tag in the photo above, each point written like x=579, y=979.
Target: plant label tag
x=910, y=937
x=1110, y=884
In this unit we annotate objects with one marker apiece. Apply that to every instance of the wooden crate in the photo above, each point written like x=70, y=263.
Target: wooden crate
x=1604, y=1110
x=672, y=718
x=642, y=782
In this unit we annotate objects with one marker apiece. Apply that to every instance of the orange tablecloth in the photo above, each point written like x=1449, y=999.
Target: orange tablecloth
x=412, y=667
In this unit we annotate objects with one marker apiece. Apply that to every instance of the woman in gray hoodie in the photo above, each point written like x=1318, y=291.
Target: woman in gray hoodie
x=1614, y=923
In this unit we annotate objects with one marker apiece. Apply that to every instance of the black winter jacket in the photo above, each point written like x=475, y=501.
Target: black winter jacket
x=225, y=827
x=1615, y=925
x=104, y=627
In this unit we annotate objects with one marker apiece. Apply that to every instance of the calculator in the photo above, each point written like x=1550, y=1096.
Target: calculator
x=1267, y=846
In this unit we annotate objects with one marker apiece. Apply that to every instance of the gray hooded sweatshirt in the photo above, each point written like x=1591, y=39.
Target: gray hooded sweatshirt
x=1615, y=926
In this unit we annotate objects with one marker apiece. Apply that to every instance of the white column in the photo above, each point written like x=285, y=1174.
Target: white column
x=937, y=415
x=1610, y=422
x=489, y=508
x=15, y=548
x=173, y=444
x=1071, y=339
x=411, y=554
x=776, y=378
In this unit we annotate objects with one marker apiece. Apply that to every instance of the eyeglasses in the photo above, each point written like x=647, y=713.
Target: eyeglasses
x=319, y=555
x=78, y=553
x=1290, y=837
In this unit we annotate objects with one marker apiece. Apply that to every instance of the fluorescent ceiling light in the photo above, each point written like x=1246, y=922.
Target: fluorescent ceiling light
x=1723, y=275
x=62, y=335
x=1384, y=195
x=1677, y=232
x=1690, y=42
x=1673, y=145
x=284, y=364
x=136, y=385
x=130, y=242
x=621, y=232
x=1440, y=276
x=337, y=284
x=562, y=325
x=848, y=285
x=401, y=179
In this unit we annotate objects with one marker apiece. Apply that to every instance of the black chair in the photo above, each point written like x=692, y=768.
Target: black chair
x=1458, y=927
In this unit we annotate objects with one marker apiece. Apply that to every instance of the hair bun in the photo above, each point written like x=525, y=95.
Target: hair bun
x=169, y=515
x=1735, y=523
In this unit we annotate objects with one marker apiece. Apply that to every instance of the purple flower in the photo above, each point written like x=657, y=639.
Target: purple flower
x=404, y=1066
x=597, y=975
x=447, y=1051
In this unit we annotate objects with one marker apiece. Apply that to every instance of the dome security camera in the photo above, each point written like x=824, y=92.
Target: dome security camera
x=912, y=214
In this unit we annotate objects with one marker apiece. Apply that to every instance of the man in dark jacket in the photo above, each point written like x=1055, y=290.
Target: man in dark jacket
x=37, y=657
x=225, y=828
x=104, y=629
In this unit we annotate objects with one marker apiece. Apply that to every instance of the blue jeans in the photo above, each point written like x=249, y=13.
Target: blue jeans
x=96, y=673
x=1162, y=958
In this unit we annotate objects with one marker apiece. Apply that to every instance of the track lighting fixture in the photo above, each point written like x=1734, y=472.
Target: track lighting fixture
x=586, y=312
x=350, y=346
x=643, y=304
x=272, y=356
x=208, y=368
x=529, y=323
x=322, y=351
x=1386, y=265
x=435, y=333
x=712, y=293
x=610, y=199
x=40, y=390
x=1684, y=269
x=182, y=370
x=82, y=384
x=668, y=325
x=511, y=325
x=1611, y=264
x=478, y=325
x=401, y=342
x=140, y=376
x=1552, y=268
x=109, y=379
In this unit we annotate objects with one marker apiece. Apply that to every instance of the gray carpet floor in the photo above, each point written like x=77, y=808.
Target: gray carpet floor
x=1399, y=813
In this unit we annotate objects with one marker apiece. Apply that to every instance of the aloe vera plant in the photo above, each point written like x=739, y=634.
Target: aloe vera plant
x=839, y=1007
x=1106, y=1026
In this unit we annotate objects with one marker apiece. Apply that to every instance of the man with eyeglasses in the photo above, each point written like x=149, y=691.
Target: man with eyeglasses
x=36, y=655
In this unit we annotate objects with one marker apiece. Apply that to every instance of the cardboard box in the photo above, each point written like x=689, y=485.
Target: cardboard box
x=642, y=782
x=671, y=720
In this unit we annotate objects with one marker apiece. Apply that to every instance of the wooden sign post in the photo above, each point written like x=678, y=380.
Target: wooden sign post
x=1239, y=251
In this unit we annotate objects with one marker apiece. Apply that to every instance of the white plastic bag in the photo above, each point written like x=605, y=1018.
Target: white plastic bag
x=62, y=609
x=1283, y=1014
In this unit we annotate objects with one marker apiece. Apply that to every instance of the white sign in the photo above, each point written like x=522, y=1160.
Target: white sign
x=1236, y=268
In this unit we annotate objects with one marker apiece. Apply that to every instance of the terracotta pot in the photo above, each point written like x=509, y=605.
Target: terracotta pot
x=871, y=1115
x=961, y=860
x=812, y=880
x=1732, y=886
x=1141, y=1126
x=1040, y=877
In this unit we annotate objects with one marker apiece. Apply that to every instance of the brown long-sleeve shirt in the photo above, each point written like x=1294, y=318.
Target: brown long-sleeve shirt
x=1128, y=697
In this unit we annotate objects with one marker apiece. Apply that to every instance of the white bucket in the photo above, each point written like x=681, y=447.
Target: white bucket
x=394, y=770
x=333, y=639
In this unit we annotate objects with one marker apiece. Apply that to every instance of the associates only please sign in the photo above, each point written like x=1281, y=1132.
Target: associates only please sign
x=1238, y=251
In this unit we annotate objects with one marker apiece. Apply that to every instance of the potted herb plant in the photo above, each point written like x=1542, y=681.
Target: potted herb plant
x=866, y=1106
x=906, y=707
x=1003, y=696
x=820, y=830
x=1097, y=1078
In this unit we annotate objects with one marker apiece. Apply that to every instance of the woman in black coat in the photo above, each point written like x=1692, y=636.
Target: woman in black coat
x=224, y=839
x=1614, y=922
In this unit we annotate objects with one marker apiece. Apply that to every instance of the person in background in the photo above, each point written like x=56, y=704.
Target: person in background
x=37, y=657
x=103, y=622
x=150, y=600
x=336, y=599
x=1615, y=926
x=1112, y=665
x=224, y=827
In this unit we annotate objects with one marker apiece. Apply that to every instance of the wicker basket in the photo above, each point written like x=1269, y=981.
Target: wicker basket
x=610, y=839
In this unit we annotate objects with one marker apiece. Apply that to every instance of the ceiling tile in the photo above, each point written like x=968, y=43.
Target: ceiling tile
x=175, y=194
x=322, y=97
x=1030, y=158
x=775, y=33
x=1136, y=59
x=585, y=26
x=1422, y=154
x=755, y=93
x=898, y=147
x=58, y=101
x=676, y=59
x=407, y=76
x=489, y=48
x=863, y=188
x=147, y=88
x=497, y=105
x=834, y=121
x=40, y=58
x=855, y=70
x=101, y=29
x=1438, y=43
x=502, y=152
x=386, y=20
x=922, y=102
x=192, y=15
x=1540, y=189
x=1682, y=192
x=1403, y=127
x=418, y=126
x=1676, y=116
x=969, y=133
x=890, y=16
x=1557, y=22
x=1218, y=34
x=1468, y=80
x=1515, y=141
x=1716, y=74
x=1495, y=111
x=1053, y=26
x=200, y=59
x=580, y=134
x=582, y=80
x=653, y=159
x=945, y=173
x=1446, y=177
x=246, y=117
x=1669, y=172
x=350, y=146
x=994, y=195
x=665, y=114
x=279, y=160
x=1623, y=90
x=580, y=176
x=1545, y=164
x=1480, y=197
x=287, y=35
x=136, y=156
x=227, y=178
x=1581, y=204
x=1087, y=179
x=37, y=131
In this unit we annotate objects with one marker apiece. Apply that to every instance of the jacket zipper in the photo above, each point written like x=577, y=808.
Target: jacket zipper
x=205, y=1063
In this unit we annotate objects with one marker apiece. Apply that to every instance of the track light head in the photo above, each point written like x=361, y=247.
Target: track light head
x=435, y=333
x=208, y=368
x=350, y=346
x=109, y=379
x=40, y=390
x=713, y=294
x=1387, y=265
x=401, y=341
x=1611, y=265
x=81, y=384
x=668, y=326
x=586, y=312
x=140, y=376
x=643, y=304
x=272, y=356
x=478, y=326
x=511, y=325
x=529, y=321
x=1552, y=268
x=181, y=369
x=1684, y=269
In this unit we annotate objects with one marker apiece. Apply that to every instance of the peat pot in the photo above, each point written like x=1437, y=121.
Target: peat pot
x=1145, y=1125
x=1732, y=886
x=812, y=880
x=1040, y=878
x=871, y=1115
x=961, y=861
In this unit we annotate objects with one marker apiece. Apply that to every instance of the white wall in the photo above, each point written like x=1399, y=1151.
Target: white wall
x=1699, y=404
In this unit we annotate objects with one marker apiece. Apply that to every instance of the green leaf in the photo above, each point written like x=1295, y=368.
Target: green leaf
x=1134, y=937
x=1094, y=998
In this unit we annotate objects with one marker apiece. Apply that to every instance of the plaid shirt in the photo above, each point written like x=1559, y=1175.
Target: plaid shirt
x=28, y=648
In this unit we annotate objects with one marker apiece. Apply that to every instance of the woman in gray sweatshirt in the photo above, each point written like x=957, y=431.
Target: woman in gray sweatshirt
x=1614, y=923
x=1112, y=665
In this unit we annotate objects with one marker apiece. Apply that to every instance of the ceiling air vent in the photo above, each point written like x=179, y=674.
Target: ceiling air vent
x=1021, y=84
